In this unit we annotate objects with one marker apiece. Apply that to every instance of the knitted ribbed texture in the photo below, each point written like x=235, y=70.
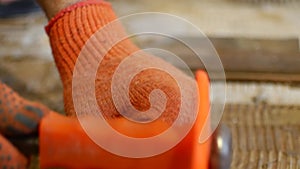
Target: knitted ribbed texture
x=68, y=33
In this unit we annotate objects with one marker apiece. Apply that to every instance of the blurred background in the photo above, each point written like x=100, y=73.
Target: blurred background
x=258, y=43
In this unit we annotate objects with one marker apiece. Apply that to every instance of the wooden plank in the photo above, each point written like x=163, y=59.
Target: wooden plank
x=275, y=60
x=236, y=54
x=271, y=77
x=255, y=55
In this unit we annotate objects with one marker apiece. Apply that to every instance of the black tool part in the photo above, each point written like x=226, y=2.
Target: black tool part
x=221, y=148
x=28, y=145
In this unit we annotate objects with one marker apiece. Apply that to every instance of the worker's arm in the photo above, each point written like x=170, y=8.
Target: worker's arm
x=52, y=7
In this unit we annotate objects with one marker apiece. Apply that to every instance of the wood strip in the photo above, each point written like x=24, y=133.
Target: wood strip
x=263, y=160
x=272, y=161
x=259, y=55
x=244, y=160
x=242, y=58
x=236, y=54
x=235, y=155
x=270, y=143
x=269, y=77
x=253, y=159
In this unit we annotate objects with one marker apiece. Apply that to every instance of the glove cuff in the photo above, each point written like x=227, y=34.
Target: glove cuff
x=70, y=29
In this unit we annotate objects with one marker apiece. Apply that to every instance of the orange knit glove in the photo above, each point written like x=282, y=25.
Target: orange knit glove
x=70, y=30
x=18, y=117
x=10, y=157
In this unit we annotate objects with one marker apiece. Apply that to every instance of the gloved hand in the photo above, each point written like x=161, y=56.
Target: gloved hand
x=70, y=29
x=18, y=117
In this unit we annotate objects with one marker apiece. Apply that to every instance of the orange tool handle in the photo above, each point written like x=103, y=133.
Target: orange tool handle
x=63, y=143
